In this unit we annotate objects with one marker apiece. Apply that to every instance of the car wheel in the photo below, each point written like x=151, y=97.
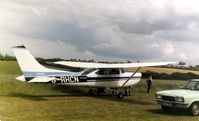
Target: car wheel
x=166, y=109
x=194, y=109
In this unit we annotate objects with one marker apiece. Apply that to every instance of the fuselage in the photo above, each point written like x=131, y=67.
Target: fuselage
x=105, y=78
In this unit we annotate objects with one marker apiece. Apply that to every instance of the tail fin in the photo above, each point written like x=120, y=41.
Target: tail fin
x=31, y=69
x=27, y=62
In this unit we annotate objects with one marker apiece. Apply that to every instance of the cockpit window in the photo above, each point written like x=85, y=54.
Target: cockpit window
x=87, y=71
x=102, y=72
x=108, y=71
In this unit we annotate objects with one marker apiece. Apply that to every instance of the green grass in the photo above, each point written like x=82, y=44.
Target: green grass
x=38, y=102
x=9, y=67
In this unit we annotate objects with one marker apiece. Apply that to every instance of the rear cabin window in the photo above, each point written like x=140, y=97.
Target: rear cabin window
x=123, y=70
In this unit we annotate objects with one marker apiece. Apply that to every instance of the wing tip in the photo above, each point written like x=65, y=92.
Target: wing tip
x=20, y=46
x=181, y=63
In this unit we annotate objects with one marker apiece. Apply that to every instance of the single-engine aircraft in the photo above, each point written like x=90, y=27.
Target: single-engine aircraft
x=100, y=77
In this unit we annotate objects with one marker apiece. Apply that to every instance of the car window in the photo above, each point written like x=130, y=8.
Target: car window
x=197, y=86
x=192, y=85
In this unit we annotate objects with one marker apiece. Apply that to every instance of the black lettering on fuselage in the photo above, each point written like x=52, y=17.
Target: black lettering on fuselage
x=69, y=79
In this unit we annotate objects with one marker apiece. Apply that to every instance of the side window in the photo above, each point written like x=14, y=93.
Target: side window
x=114, y=71
x=108, y=72
x=197, y=86
x=123, y=70
x=102, y=72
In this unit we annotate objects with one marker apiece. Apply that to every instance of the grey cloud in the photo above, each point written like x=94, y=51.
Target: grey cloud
x=122, y=29
x=81, y=37
x=172, y=22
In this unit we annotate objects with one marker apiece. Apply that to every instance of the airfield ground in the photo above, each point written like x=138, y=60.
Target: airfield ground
x=38, y=102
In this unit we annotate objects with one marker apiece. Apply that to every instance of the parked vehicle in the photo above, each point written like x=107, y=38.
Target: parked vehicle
x=186, y=97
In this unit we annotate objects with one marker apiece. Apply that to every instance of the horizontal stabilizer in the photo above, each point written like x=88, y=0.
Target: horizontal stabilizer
x=117, y=65
x=41, y=79
x=21, y=78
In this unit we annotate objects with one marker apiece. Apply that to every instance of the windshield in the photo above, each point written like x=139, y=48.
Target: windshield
x=192, y=85
x=88, y=71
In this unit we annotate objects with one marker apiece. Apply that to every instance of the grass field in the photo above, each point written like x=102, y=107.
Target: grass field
x=38, y=102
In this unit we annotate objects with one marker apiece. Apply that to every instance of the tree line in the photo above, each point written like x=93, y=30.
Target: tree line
x=173, y=76
x=7, y=57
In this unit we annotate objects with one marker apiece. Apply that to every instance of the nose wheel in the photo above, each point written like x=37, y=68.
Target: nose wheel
x=92, y=92
x=127, y=91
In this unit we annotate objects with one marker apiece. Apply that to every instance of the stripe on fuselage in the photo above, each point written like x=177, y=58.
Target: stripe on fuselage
x=79, y=79
x=36, y=74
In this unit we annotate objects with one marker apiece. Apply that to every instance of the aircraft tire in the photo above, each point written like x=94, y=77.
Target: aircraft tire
x=120, y=96
x=91, y=92
x=127, y=93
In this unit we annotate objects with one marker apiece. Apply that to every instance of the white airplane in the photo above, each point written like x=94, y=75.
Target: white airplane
x=100, y=77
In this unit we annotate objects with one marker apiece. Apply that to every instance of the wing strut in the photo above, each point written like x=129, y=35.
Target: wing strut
x=131, y=76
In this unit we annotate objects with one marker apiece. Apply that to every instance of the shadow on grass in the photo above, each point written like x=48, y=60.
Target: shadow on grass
x=70, y=91
x=67, y=90
x=38, y=97
x=170, y=113
x=125, y=100
x=83, y=91
x=27, y=96
x=138, y=102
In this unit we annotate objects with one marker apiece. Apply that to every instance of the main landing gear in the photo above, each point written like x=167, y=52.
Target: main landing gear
x=120, y=95
x=127, y=92
x=108, y=91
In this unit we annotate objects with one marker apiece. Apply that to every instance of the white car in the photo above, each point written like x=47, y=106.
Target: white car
x=183, y=98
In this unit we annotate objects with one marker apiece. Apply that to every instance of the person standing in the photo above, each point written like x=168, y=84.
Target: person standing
x=149, y=83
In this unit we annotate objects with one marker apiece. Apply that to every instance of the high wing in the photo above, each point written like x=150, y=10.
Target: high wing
x=108, y=65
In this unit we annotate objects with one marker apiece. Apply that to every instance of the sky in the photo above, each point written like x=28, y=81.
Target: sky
x=113, y=30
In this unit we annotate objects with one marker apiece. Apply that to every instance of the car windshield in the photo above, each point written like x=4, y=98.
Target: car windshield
x=192, y=85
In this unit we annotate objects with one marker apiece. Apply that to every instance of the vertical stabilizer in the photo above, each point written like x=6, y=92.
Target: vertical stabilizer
x=27, y=62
